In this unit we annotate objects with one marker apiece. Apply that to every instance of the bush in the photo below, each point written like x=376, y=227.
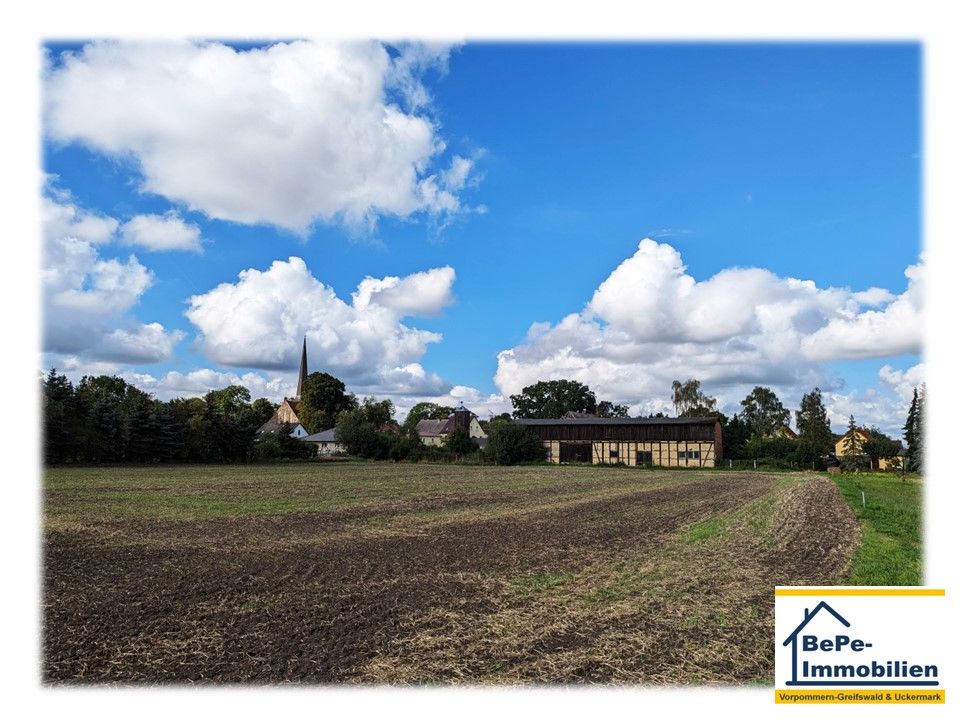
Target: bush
x=280, y=446
x=783, y=450
x=459, y=443
x=510, y=443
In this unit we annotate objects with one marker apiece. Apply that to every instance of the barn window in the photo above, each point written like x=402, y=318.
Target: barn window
x=689, y=454
x=614, y=454
x=644, y=456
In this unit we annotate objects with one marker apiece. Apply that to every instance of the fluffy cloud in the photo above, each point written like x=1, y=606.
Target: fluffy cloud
x=903, y=382
x=884, y=406
x=161, y=232
x=86, y=297
x=896, y=329
x=62, y=218
x=259, y=322
x=650, y=323
x=199, y=382
x=287, y=135
x=422, y=293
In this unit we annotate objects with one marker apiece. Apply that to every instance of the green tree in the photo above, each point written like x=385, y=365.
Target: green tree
x=509, y=443
x=690, y=401
x=138, y=426
x=913, y=431
x=763, y=412
x=262, y=410
x=99, y=401
x=853, y=455
x=459, y=442
x=323, y=397
x=815, y=437
x=879, y=446
x=61, y=424
x=280, y=446
x=553, y=399
x=735, y=434
x=426, y=411
x=607, y=409
x=493, y=421
x=189, y=416
x=364, y=431
x=229, y=424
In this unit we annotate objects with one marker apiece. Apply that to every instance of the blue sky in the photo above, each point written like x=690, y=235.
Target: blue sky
x=534, y=171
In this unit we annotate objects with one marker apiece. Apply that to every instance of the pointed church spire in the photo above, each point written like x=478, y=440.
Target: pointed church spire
x=303, y=369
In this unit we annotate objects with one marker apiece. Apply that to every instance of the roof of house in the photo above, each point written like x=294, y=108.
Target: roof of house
x=866, y=434
x=618, y=421
x=322, y=436
x=274, y=425
x=434, y=428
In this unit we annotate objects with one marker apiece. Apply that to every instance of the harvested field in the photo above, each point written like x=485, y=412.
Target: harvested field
x=383, y=573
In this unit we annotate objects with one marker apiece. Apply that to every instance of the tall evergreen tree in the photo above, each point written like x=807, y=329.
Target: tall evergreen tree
x=812, y=425
x=60, y=422
x=853, y=455
x=913, y=431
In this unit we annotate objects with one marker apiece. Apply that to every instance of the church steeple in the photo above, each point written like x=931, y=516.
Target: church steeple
x=302, y=380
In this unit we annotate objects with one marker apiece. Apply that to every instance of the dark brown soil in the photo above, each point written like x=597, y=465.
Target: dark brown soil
x=297, y=598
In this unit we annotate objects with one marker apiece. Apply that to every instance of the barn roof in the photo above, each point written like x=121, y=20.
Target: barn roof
x=322, y=436
x=434, y=428
x=274, y=425
x=618, y=421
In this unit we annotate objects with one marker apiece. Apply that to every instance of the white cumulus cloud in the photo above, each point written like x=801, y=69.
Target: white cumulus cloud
x=161, y=232
x=422, y=293
x=62, y=218
x=287, y=134
x=260, y=320
x=87, y=297
x=651, y=322
x=895, y=329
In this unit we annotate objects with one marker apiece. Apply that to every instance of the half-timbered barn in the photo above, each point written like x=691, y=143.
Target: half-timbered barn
x=669, y=442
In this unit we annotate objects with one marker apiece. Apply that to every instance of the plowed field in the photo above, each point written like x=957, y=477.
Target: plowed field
x=383, y=573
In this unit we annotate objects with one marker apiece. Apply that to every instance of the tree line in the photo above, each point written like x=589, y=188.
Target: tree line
x=105, y=419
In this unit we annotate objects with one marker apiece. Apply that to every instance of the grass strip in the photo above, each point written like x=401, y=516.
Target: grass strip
x=888, y=508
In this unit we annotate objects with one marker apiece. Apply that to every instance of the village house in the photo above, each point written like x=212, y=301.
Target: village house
x=667, y=442
x=325, y=442
x=434, y=432
x=844, y=447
